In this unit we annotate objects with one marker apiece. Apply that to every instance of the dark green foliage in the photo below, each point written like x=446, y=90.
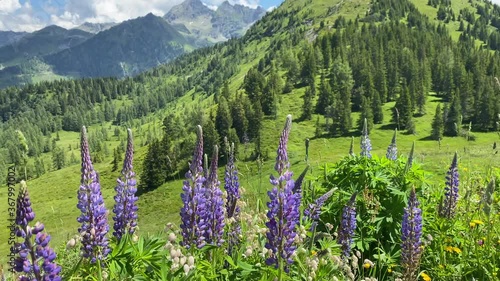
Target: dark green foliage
x=453, y=118
x=239, y=116
x=366, y=113
x=403, y=112
x=153, y=172
x=382, y=186
x=223, y=119
x=58, y=158
x=437, y=124
x=307, y=106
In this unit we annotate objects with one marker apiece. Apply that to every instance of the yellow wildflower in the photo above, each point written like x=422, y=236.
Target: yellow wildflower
x=477, y=221
x=425, y=277
x=313, y=253
x=472, y=224
x=449, y=249
x=457, y=250
x=366, y=265
x=389, y=270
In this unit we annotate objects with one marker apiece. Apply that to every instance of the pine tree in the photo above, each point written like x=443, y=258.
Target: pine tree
x=342, y=84
x=453, y=119
x=378, y=112
x=153, y=171
x=307, y=107
x=223, y=120
x=437, y=124
x=325, y=97
x=366, y=114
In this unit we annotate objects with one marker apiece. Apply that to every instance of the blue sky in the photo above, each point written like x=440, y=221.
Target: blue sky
x=31, y=15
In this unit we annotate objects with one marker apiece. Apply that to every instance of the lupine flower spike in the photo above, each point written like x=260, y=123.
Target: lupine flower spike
x=214, y=214
x=366, y=145
x=283, y=209
x=125, y=208
x=409, y=162
x=35, y=261
x=351, y=148
x=232, y=187
x=93, y=217
x=411, y=233
x=447, y=207
x=193, y=199
x=313, y=211
x=347, y=227
x=392, y=150
x=487, y=199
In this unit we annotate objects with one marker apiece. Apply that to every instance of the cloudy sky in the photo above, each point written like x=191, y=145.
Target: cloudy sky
x=31, y=15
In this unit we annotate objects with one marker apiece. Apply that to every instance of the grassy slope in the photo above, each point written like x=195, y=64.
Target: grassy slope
x=54, y=194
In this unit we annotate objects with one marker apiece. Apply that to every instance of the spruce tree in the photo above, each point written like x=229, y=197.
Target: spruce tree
x=366, y=114
x=437, y=124
x=307, y=106
x=453, y=119
x=378, y=112
x=223, y=120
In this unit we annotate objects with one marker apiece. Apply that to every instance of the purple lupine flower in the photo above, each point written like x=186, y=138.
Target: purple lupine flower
x=351, y=148
x=447, y=208
x=35, y=259
x=193, y=199
x=297, y=188
x=214, y=215
x=392, y=150
x=314, y=209
x=411, y=233
x=347, y=227
x=125, y=208
x=366, y=145
x=232, y=187
x=284, y=205
x=93, y=218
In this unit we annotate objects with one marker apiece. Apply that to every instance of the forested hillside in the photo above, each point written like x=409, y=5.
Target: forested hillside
x=343, y=63
x=339, y=73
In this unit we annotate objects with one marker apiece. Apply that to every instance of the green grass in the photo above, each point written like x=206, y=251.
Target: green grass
x=54, y=194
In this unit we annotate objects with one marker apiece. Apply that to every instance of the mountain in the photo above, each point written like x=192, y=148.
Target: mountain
x=48, y=40
x=207, y=26
x=125, y=49
x=95, y=27
x=8, y=37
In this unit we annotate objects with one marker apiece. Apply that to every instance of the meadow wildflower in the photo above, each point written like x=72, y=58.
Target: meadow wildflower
x=93, y=217
x=125, y=208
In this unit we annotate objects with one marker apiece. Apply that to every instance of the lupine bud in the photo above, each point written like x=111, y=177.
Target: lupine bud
x=447, y=207
x=411, y=236
x=232, y=187
x=366, y=145
x=392, y=150
x=347, y=227
x=125, y=208
x=314, y=210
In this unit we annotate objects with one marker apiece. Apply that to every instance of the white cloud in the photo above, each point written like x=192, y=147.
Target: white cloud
x=17, y=17
x=21, y=17
x=9, y=6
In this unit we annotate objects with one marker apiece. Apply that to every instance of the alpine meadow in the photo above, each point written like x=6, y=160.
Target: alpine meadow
x=320, y=140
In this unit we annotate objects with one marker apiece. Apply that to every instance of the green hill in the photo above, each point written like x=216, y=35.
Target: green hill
x=327, y=63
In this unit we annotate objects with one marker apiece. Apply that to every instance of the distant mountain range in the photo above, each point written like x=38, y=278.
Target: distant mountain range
x=206, y=26
x=118, y=49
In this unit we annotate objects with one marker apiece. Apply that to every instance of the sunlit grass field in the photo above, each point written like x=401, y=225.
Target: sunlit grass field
x=54, y=194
